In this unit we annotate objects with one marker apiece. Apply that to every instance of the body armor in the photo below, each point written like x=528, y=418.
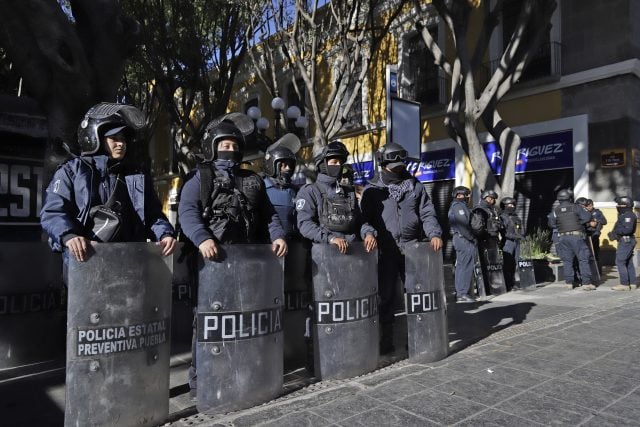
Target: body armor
x=338, y=213
x=567, y=218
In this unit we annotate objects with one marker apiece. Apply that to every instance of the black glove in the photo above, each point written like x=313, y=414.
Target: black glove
x=612, y=236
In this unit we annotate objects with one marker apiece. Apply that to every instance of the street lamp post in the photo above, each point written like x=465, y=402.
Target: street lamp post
x=278, y=106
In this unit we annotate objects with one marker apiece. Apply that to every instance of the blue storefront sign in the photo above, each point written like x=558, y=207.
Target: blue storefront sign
x=363, y=172
x=536, y=153
x=435, y=165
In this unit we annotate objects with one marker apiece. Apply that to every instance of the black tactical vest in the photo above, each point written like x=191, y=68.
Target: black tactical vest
x=338, y=213
x=229, y=208
x=567, y=218
x=493, y=224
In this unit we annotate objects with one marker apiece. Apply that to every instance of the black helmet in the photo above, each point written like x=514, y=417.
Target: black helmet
x=273, y=158
x=507, y=201
x=565, y=195
x=589, y=202
x=391, y=154
x=624, y=201
x=104, y=117
x=582, y=201
x=217, y=131
x=461, y=189
x=333, y=149
x=488, y=193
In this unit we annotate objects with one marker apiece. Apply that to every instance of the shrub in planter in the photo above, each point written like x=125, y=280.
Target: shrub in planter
x=533, y=264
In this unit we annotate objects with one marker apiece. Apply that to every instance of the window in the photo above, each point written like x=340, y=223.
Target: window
x=420, y=80
x=546, y=60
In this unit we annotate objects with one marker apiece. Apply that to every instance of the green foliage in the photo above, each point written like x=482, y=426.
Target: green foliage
x=536, y=245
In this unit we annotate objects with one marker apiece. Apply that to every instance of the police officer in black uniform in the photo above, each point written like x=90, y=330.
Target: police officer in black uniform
x=221, y=203
x=397, y=205
x=570, y=220
x=624, y=232
x=513, y=234
x=594, y=229
x=486, y=225
x=464, y=242
x=328, y=212
x=279, y=164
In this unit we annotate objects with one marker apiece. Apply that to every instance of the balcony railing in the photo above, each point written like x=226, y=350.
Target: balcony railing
x=546, y=62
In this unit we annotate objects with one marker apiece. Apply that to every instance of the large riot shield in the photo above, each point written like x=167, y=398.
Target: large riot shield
x=491, y=262
x=297, y=299
x=426, y=303
x=345, y=290
x=481, y=290
x=118, y=336
x=239, y=352
x=183, y=293
x=32, y=303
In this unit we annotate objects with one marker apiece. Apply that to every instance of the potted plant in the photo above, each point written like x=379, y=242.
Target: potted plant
x=532, y=262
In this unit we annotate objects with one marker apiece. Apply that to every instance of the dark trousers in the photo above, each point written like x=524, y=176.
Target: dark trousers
x=510, y=255
x=574, y=246
x=390, y=270
x=624, y=261
x=465, y=262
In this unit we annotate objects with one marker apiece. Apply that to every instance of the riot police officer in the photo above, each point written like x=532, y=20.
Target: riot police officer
x=279, y=164
x=624, y=232
x=594, y=229
x=104, y=176
x=397, y=205
x=486, y=226
x=513, y=234
x=464, y=242
x=570, y=221
x=328, y=212
x=221, y=203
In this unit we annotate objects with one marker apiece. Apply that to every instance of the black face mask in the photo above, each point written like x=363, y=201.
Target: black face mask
x=390, y=177
x=286, y=176
x=334, y=171
x=510, y=209
x=229, y=155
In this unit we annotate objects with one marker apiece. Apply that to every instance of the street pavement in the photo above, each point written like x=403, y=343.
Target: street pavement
x=544, y=356
x=537, y=357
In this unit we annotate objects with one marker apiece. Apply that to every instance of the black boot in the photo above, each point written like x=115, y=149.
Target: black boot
x=386, y=338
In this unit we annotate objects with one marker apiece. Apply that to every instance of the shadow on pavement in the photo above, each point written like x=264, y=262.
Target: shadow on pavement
x=470, y=323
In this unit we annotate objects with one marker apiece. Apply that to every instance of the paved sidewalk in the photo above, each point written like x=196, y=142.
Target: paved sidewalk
x=547, y=356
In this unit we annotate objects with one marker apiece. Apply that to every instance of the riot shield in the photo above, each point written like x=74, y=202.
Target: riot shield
x=297, y=298
x=481, y=290
x=239, y=351
x=32, y=304
x=593, y=264
x=345, y=291
x=118, y=336
x=491, y=262
x=183, y=290
x=426, y=303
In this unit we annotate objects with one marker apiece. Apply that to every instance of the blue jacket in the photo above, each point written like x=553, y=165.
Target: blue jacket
x=403, y=221
x=307, y=202
x=82, y=183
x=190, y=212
x=459, y=216
x=283, y=200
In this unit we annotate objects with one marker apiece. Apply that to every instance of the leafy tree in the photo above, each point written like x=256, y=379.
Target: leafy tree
x=468, y=105
x=313, y=40
x=70, y=56
x=189, y=57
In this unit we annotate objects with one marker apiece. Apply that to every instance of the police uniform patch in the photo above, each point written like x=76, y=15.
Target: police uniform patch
x=300, y=204
x=461, y=212
x=56, y=186
x=627, y=220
